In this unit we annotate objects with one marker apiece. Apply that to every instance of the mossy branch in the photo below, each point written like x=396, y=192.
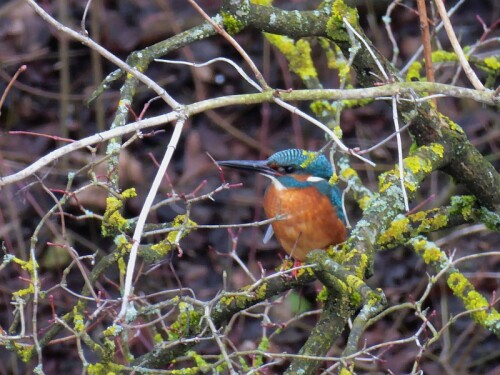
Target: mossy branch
x=227, y=305
x=94, y=275
x=481, y=310
x=463, y=210
x=385, y=206
x=345, y=293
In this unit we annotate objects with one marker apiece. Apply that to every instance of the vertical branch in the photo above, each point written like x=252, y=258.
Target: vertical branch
x=64, y=85
x=97, y=65
x=400, y=151
x=426, y=41
x=127, y=289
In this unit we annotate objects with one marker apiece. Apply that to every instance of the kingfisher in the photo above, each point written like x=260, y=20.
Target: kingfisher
x=308, y=206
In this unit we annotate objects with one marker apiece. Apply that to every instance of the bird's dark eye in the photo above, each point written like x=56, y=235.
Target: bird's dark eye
x=286, y=169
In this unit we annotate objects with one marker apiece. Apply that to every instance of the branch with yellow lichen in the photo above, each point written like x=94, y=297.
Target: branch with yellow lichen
x=482, y=311
x=463, y=210
x=228, y=304
x=345, y=292
x=385, y=206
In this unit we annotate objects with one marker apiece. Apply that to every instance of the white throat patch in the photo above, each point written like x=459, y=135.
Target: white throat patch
x=314, y=179
x=277, y=185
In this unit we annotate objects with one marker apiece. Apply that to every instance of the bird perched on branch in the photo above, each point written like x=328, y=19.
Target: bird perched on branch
x=300, y=194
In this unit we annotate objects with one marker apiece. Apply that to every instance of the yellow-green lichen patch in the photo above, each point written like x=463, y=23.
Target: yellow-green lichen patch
x=262, y=2
x=297, y=53
x=343, y=68
x=198, y=359
x=336, y=59
x=232, y=24
x=492, y=62
x=395, y=233
x=429, y=252
x=122, y=266
x=301, y=62
x=263, y=347
x=410, y=186
x=354, y=256
x=438, y=149
x=25, y=265
x=355, y=284
x=322, y=295
x=349, y=172
x=463, y=205
x=322, y=108
x=261, y=291
x=336, y=255
x=334, y=179
x=188, y=317
x=157, y=338
x=414, y=72
x=78, y=320
x=192, y=371
x=129, y=193
x=335, y=27
x=112, y=330
x=345, y=371
x=242, y=299
x=433, y=255
x=363, y=202
x=24, y=292
x=444, y=56
x=471, y=299
x=113, y=222
x=417, y=165
x=429, y=224
x=458, y=283
x=446, y=121
x=184, y=226
x=24, y=351
x=415, y=168
x=384, y=182
x=122, y=244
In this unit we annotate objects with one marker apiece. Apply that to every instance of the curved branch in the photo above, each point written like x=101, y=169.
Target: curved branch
x=249, y=99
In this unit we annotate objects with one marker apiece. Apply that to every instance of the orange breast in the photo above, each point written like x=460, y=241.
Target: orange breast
x=310, y=220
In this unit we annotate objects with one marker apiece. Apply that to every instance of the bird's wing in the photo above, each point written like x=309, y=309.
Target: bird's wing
x=269, y=234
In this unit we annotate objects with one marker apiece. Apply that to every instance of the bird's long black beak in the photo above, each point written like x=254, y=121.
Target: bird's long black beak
x=260, y=166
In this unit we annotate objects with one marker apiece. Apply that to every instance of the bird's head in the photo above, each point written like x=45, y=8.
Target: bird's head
x=286, y=162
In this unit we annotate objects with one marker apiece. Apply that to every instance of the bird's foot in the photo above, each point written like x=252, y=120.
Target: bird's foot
x=295, y=271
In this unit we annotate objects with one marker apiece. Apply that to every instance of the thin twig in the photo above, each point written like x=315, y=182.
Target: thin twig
x=437, y=29
x=235, y=44
x=457, y=47
x=21, y=69
x=105, y=53
x=400, y=151
x=377, y=62
x=223, y=59
x=387, y=21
